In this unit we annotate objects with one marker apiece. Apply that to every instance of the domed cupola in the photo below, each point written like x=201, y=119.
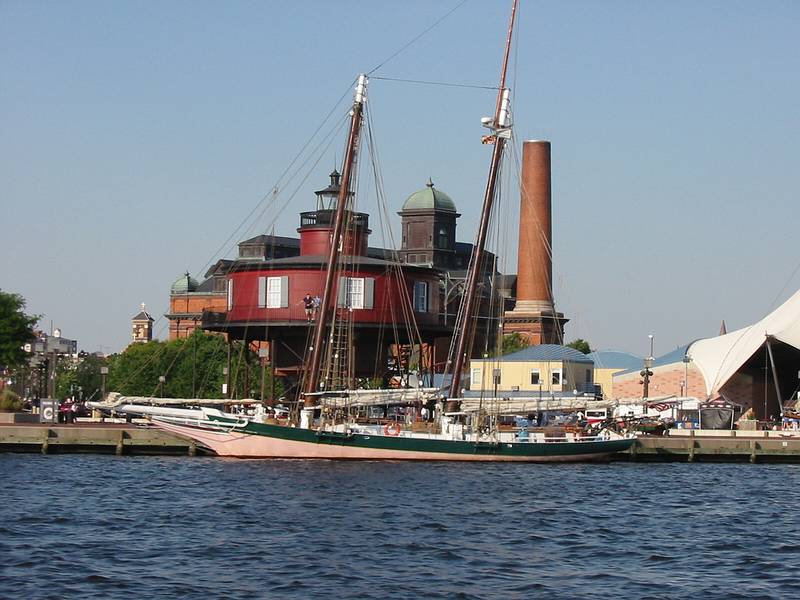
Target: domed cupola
x=184, y=284
x=429, y=198
x=429, y=228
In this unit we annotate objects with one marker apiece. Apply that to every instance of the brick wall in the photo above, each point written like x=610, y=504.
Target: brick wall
x=666, y=380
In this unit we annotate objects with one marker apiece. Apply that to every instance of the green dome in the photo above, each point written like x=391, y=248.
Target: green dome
x=429, y=199
x=184, y=284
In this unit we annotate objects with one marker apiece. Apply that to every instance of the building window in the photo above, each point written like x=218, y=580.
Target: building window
x=556, y=377
x=230, y=294
x=475, y=377
x=421, y=296
x=273, y=292
x=535, y=377
x=356, y=292
x=443, y=240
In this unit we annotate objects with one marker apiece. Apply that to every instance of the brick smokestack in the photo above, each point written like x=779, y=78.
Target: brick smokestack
x=534, y=315
x=535, y=264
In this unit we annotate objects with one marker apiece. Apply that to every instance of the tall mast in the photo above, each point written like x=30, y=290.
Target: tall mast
x=501, y=128
x=325, y=309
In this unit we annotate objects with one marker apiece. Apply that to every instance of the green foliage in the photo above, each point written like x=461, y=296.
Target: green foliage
x=16, y=328
x=80, y=378
x=9, y=401
x=192, y=367
x=513, y=342
x=580, y=345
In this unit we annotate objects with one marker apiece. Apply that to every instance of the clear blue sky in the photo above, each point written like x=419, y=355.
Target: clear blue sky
x=136, y=136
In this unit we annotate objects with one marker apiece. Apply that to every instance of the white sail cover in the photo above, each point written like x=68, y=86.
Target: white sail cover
x=720, y=357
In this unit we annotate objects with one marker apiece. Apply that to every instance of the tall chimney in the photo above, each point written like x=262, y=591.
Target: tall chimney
x=535, y=265
x=534, y=314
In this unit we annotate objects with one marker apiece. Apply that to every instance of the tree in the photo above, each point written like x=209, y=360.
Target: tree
x=192, y=368
x=514, y=342
x=580, y=345
x=80, y=378
x=16, y=329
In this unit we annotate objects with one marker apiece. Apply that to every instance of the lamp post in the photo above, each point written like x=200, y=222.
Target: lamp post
x=103, y=374
x=686, y=361
x=161, y=380
x=646, y=373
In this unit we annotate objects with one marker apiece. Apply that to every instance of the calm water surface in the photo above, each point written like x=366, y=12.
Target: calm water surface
x=109, y=527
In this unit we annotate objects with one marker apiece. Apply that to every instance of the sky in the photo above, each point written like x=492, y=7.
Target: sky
x=136, y=138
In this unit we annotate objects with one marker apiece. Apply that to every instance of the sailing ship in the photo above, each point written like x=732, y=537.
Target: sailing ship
x=323, y=427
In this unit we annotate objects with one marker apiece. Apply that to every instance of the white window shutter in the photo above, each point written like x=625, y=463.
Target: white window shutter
x=369, y=292
x=284, y=291
x=262, y=292
x=341, y=296
x=230, y=294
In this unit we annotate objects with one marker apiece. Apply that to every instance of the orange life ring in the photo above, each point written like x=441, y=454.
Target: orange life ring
x=392, y=429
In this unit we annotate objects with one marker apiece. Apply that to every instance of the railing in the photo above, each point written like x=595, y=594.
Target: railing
x=325, y=217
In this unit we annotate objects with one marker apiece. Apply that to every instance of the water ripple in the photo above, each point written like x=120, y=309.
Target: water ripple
x=168, y=527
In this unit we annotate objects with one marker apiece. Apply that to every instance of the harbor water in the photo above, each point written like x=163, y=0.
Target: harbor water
x=75, y=526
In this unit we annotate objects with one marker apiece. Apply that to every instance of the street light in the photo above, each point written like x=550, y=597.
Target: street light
x=646, y=373
x=686, y=361
x=103, y=374
x=161, y=380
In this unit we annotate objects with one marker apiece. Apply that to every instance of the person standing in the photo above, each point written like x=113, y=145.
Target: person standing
x=308, y=304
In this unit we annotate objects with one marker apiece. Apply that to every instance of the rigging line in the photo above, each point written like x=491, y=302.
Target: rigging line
x=785, y=285
x=283, y=174
x=413, y=40
x=440, y=83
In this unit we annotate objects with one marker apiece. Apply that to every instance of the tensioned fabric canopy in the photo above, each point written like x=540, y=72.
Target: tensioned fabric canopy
x=720, y=357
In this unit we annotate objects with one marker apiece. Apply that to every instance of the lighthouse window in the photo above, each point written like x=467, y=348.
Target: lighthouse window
x=273, y=292
x=356, y=292
x=421, y=296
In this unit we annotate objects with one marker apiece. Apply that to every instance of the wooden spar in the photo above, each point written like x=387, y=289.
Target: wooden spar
x=325, y=309
x=466, y=332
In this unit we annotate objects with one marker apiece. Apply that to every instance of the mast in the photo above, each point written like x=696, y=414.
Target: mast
x=325, y=309
x=501, y=130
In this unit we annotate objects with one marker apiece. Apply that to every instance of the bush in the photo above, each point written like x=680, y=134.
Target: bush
x=9, y=401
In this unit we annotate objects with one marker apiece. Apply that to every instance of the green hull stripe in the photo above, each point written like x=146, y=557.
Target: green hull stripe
x=382, y=442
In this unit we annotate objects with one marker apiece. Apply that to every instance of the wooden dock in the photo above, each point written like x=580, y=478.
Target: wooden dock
x=711, y=446
x=93, y=438
x=141, y=439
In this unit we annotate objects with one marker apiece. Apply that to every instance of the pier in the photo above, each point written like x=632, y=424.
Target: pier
x=141, y=439
x=93, y=438
x=716, y=446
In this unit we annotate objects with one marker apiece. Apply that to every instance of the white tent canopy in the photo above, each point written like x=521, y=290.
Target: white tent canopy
x=720, y=357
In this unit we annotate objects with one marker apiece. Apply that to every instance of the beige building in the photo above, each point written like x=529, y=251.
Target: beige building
x=546, y=369
x=607, y=363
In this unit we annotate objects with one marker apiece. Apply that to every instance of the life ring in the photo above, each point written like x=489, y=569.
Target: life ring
x=392, y=429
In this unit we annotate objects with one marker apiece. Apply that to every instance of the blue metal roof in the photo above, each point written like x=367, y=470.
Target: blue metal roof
x=675, y=356
x=547, y=352
x=615, y=359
